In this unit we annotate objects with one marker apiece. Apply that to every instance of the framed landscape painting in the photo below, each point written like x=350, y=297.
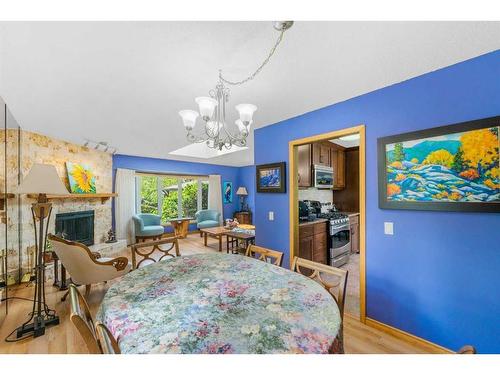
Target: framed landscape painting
x=449, y=168
x=271, y=178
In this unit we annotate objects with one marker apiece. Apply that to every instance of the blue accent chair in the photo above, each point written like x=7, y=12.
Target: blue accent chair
x=207, y=219
x=147, y=226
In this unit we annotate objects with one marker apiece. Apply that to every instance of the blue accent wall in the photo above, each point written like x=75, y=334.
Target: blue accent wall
x=438, y=276
x=230, y=174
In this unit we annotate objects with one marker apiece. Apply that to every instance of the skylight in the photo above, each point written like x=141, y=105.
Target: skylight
x=199, y=150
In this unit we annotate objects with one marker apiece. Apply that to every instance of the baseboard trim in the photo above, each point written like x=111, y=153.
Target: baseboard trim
x=408, y=337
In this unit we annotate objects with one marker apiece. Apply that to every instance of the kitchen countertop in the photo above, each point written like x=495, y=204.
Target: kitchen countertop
x=350, y=213
x=317, y=221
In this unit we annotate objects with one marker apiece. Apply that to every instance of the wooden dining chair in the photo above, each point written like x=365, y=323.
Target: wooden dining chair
x=467, y=349
x=266, y=255
x=146, y=249
x=108, y=343
x=82, y=320
x=334, y=280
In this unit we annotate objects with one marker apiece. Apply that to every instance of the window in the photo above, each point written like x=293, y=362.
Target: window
x=149, y=195
x=171, y=196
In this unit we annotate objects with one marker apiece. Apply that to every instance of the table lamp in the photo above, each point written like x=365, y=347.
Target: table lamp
x=242, y=192
x=42, y=179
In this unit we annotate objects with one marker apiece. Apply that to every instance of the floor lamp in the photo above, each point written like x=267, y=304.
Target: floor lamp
x=42, y=179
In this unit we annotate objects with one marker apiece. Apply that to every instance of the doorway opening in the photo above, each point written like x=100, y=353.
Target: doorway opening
x=327, y=183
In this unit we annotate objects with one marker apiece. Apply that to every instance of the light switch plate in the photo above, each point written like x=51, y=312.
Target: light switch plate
x=389, y=228
x=271, y=215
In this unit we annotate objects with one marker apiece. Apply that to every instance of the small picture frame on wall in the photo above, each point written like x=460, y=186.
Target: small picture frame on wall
x=448, y=168
x=227, y=192
x=271, y=178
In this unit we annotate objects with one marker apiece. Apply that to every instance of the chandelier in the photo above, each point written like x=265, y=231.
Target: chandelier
x=212, y=109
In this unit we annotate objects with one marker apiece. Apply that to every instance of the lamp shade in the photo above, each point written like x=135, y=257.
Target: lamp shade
x=42, y=179
x=242, y=127
x=207, y=106
x=189, y=118
x=242, y=191
x=246, y=112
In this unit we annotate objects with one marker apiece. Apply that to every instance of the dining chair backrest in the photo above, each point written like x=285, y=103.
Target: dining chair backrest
x=334, y=280
x=108, y=343
x=266, y=255
x=467, y=349
x=82, y=320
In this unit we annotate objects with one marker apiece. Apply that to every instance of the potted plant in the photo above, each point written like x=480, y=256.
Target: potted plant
x=48, y=254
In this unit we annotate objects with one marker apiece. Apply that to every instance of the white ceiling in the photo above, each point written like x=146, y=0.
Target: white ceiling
x=124, y=82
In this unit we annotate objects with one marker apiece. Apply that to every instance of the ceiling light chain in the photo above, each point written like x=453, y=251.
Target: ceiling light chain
x=252, y=76
x=212, y=109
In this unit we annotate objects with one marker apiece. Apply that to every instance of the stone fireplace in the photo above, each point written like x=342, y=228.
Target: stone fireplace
x=37, y=148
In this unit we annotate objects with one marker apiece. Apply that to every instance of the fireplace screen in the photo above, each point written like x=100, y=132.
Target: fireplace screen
x=76, y=226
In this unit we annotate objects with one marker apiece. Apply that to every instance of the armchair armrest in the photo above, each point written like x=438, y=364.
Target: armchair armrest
x=138, y=223
x=119, y=263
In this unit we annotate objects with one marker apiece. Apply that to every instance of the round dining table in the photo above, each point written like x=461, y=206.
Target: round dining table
x=220, y=303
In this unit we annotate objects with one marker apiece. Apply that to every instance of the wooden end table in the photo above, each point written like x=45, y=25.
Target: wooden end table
x=233, y=237
x=214, y=232
x=180, y=225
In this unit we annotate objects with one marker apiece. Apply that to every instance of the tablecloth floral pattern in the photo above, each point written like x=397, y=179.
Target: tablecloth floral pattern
x=219, y=303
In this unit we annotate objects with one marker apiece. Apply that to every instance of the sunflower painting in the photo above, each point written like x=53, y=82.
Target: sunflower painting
x=81, y=178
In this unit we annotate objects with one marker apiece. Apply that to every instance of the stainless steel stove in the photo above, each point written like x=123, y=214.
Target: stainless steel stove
x=340, y=238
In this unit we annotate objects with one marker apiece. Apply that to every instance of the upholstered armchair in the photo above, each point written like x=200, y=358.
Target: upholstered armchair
x=83, y=266
x=147, y=226
x=207, y=219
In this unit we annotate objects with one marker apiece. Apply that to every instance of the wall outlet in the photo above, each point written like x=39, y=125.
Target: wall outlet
x=271, y=216
x=389, y=228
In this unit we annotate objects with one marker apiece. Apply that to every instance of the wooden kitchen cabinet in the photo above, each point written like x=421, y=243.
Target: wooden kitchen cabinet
x=313, y=242
x=304, y=164
x=354, y=228
x=306, y=245
x=338, y=165
x=326, y=154
x=321, y=154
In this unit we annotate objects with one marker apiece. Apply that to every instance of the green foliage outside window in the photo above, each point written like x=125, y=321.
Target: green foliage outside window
x=169, y=188
x=149, y=196
x=170, y=197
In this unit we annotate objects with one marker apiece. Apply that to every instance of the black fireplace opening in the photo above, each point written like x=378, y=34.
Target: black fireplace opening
x=76, y=226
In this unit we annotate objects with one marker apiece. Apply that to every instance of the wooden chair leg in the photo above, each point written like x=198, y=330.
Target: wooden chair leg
x=87, y=289
x=177, y=252
x=63, y=298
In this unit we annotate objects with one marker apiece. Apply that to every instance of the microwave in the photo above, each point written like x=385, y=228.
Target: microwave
x=323, y=177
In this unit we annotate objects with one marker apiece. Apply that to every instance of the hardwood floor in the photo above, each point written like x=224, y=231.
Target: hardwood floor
x=64, y=338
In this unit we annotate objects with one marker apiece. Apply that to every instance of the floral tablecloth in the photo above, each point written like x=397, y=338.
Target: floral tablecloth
x=219, y=303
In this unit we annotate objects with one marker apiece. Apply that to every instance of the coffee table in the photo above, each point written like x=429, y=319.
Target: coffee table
x=214, y=232
x=180, y=225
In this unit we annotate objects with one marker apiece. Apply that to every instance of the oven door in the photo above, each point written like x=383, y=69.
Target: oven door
x=323, y=177
x=340, y=240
